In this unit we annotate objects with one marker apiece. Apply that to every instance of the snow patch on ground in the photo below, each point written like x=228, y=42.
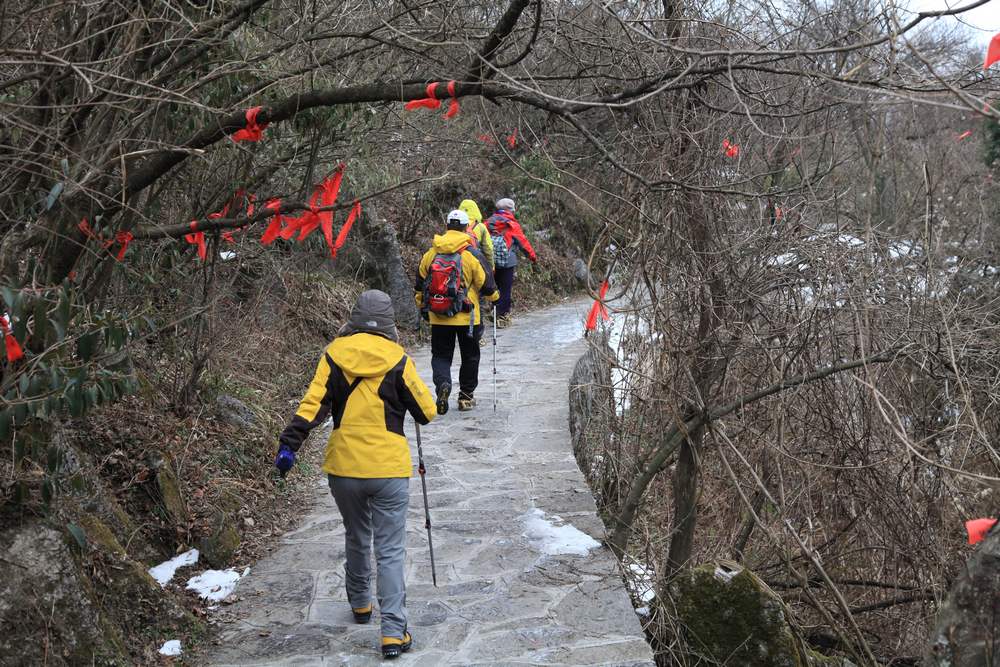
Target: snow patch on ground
x=216, y=585
x=725, y=576
x=172, y=647
x=164, y=572
x=640, y=583
x=553, y=540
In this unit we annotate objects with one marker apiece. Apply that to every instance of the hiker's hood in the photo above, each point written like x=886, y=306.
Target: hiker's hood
x=472, y=210
x=365, y=354
x=372, y=313
x=451, y=241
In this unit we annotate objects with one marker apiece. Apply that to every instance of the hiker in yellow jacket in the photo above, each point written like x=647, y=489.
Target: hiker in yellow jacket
x=478, y=230
x=449, y=286
x=366, y=384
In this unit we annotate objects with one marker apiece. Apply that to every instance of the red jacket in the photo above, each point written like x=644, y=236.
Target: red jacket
x=503, y=223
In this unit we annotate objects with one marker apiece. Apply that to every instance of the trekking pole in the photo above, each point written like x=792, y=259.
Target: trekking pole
x=494, y=360
x=427, y=513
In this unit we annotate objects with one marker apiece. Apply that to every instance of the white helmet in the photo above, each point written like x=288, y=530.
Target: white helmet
x=458, y=217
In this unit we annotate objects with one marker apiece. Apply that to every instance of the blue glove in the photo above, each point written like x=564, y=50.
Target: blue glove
x=285, y=459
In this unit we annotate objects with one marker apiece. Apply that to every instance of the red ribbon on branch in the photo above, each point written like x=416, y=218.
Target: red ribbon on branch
x=992, y=52
x=432, y=101
x=123, y=238
x=14, y=351
x=964, y=135
x=253, y=131
x=730, y=149
x=453, y=104
x=342, y=236
x=598, y=308
x=85, y=227
x=274, y=227
x=977, y=529
x=429, y=102
x=197, y=238
x=512, y=139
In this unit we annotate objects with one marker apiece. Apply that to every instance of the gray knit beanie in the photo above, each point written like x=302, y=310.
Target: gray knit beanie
x=373, y=313
x=505, y=204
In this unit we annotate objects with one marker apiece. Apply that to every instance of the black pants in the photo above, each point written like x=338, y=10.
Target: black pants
x=443, y=351
x=505, y=283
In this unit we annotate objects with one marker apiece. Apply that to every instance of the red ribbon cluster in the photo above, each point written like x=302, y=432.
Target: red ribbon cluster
x=253, y=131
x=122, y=238
x=197, y=237
x=14, y=351
x=964, y=135
x=730, y=149
x=598, y=308
x=432, y=102
x=324, y=196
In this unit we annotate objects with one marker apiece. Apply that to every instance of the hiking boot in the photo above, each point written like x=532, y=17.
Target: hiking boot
x=362, y=614
x=504, y=321
x=393, y=647
x=465, y=401
x=443, y=392
x=482, y=341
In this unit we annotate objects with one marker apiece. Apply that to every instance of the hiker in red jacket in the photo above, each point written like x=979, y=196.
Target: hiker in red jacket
x=508, y=238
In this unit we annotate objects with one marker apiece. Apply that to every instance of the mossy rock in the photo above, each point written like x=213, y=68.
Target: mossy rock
x=170, y=491
x=48, y=608
x=219, y=545
x=730, y=617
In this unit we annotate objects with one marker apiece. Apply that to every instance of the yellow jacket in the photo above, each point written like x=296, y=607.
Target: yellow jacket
x=366, y=384
x=474, y=277
x=479, y=230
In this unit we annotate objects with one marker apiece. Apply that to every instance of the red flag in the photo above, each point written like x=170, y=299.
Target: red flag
x=429, y=102
x=253, y=131
x=964, y=135
x=14, y=351
x=274, y=226
x=512, y=139
x=730, y=149
x=598, y=308
x=487, y=139
x=453, y=104
x=342, y=236
x=124, y=238
x=977, y=528
x=197, y=238
x=993, y=52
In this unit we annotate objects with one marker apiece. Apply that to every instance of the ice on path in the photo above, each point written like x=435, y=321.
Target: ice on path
x=164, y=572
x=551, y=539
x=216, y=585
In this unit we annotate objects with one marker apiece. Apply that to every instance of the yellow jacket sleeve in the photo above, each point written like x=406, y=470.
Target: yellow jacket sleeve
x=418, y=284
x=313, y=409
x=417, y=397
x=486, y=244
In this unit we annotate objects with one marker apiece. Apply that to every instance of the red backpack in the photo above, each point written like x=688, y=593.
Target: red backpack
x=444, y=293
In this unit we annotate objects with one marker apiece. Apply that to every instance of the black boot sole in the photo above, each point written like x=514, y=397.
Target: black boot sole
x=393, y=651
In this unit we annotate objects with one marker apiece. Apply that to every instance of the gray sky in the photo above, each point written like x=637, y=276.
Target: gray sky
x=981, y=23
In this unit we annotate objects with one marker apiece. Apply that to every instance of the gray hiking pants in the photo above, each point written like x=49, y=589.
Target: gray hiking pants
x=375, y=508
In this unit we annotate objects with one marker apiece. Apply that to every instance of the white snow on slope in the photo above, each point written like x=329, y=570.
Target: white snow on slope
x=172, y=647
x=551, y=539
x=164, y=572
x=216, y=585
x=640, y=582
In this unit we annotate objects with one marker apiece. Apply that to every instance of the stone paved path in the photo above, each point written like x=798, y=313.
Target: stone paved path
x=500, y=600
